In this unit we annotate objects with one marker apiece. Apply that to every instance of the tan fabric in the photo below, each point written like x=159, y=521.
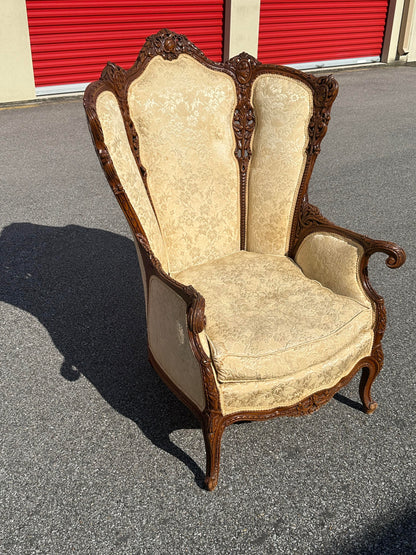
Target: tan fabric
x=291, y=389
x=283, y=107
x=142, y=271
x=118, y=146
x=266, y=320
x=169, y=341
x=333, y=261
x=183, y=114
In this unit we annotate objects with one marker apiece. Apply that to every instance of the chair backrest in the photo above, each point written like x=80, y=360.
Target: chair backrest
x=212, y=157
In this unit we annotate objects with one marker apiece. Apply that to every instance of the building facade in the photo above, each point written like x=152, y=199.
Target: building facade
x=59, y=46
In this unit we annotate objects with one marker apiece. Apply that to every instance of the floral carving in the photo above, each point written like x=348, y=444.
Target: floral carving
x=115, y=76
x=167, y=44
x=243, y=67
x=325, y=92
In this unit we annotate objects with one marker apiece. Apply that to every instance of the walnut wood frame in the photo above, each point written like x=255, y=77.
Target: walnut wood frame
x=306, y=220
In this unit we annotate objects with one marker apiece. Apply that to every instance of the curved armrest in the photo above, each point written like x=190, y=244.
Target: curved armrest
x=338, y=258
x=312, y=221
x=195, y=302
x=175, y=320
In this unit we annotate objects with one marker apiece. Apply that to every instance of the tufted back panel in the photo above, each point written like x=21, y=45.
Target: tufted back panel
x=183, y=114
x=282, y=107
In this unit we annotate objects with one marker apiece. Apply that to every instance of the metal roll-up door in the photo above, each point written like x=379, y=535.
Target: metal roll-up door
x=72, y=40
x=312, y=33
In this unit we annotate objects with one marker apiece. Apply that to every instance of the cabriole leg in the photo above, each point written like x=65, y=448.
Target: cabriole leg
x=368, y=376
x=213, y=428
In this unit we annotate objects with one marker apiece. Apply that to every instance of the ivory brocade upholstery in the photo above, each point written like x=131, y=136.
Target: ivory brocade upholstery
x=334, y=262
x=183, y=114
x=283, y=108
x=272, y=330
x=115, y=138
x=276, y=330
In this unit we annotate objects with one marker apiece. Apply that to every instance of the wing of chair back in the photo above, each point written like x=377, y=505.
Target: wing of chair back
x=210, y=164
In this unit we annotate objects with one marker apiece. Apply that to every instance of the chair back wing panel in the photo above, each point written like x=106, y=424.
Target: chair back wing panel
x=183, y=112
x=283, y=107
x=118, y=146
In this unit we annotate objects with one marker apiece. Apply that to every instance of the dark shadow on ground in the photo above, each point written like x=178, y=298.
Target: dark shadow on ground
x=349, y=402
x=84, y=286
x=389, y=535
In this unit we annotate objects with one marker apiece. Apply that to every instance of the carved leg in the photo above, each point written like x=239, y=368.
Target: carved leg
x=368, y=376
x=213, y=428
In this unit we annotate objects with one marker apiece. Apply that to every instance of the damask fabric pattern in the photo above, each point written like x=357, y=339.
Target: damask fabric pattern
x=287, y=391
x=183, y=114
x=169, y=341
x=282, y=107
x=266, y=320
x=115, y=138
x=333, y=261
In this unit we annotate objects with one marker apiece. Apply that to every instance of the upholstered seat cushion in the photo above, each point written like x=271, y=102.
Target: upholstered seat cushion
x=265, y=320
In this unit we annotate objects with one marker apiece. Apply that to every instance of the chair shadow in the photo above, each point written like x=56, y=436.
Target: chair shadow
x=84, y=286
x=349, y=402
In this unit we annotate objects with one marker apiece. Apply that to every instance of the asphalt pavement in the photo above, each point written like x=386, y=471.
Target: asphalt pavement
x=98, y=456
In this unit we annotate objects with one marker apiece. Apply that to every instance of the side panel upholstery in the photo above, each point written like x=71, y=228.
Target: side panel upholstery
x=115, y=138
x=183, y=114
x=169, y=341
x=283, y=107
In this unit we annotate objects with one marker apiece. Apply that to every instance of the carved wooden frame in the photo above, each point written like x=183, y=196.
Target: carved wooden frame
x=306, y=220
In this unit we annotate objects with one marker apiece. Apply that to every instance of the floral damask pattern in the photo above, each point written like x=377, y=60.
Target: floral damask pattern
x=183, y=113
x=286, y=391
x=282, y=108
x=333, y=261
x=118, y=146
x=266, y=320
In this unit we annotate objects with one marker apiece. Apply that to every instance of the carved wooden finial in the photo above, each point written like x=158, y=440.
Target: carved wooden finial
x=167, y=44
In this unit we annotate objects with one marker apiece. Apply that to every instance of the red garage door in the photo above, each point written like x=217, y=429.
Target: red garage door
x=335, y=32
x=72, y=40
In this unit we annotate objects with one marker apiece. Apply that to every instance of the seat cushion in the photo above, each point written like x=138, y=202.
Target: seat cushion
x=265, y=320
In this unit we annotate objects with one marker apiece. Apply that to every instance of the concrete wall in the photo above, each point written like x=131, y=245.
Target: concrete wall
x=241, y=29
x=17, y=82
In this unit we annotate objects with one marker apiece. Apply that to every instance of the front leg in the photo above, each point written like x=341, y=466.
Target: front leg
x=213, y=427
x=370, y=371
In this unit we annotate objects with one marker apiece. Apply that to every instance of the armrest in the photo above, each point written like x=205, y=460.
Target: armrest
x=312, y=221
x=338, y=258
x=194, y=301
x=175, y=321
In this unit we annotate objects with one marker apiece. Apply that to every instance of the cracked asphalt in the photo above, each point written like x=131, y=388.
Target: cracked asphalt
x=98, y=456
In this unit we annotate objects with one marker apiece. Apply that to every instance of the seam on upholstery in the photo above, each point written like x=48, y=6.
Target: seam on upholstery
x=327, y=288
x=236, y=163
x=301, y=174
x=289, y=376
x=174, y=274
x=161, y=234
x=147, y=189
x=286, y=349
x=266, y=407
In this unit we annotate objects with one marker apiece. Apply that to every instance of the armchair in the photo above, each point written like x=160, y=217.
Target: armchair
x=257, y=306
